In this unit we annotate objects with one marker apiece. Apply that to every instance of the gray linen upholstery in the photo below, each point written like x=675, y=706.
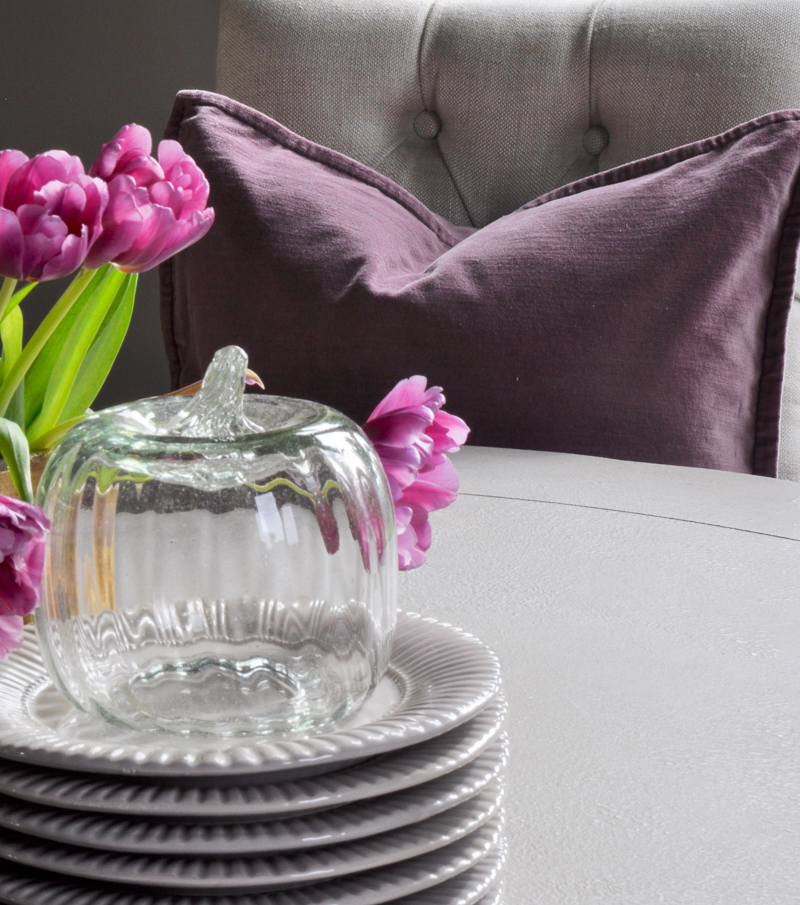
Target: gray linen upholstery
x=521, y=95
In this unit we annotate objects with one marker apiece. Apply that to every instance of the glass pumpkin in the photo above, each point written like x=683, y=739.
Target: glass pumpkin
x=221, y=564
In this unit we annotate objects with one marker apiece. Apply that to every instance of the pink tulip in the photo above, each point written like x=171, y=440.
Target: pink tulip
x=50, y=214
x=155, y=209
x=413, y=536
x=412, y=436
x=11, y=634
x=23, y=532
x=128, y=154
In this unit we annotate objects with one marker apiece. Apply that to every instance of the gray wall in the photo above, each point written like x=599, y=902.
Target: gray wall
x=71, y=73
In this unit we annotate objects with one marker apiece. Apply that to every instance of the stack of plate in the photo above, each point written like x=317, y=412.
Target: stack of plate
x=402, y=803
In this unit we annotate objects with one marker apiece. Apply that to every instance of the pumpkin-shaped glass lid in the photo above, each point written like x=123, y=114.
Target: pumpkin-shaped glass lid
x=219, y=411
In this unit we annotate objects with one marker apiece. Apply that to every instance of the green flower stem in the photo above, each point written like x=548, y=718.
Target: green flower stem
x=57, y=313
x=6, y=291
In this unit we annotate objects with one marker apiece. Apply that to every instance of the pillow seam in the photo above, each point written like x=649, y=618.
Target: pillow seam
x=664, y=159
x=311, y=150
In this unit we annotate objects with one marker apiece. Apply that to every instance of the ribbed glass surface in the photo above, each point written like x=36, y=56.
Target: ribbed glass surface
x=223, y=585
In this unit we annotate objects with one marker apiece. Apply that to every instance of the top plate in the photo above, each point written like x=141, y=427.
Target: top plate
x=438, y=678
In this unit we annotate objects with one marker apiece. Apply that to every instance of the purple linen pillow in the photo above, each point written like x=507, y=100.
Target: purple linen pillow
x=639, y=313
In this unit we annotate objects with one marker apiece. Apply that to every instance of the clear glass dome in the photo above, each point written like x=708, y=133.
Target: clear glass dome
x=221, y=564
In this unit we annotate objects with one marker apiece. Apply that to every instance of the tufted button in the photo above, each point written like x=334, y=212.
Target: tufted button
x=427, y=124
x=595, y=140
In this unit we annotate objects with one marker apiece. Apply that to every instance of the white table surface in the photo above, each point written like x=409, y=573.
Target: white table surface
x=648, y=623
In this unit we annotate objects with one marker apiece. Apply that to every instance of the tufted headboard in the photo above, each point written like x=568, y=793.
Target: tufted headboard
x=479, y=106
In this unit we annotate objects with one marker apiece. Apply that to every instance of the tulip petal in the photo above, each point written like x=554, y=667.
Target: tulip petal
x=448, y=432
x=22, y=546
x=434, y=487
x=18, y=597
x=406, y=394
x=400, y=428
x=182, y=234
x=12, y=634
x=131, y=139
x=12, y=244
x=70, y=163
x=166, y=195
x=181, y=170
x=69, y=257
x=21, y=556
x=30, y=177
x=401, y=465
x=422, y=528
x=23, y=519
x=44, y=234
x=170, y=153
x=122, y=223
x=408, y=553
x=69, y=200
x=10, y=162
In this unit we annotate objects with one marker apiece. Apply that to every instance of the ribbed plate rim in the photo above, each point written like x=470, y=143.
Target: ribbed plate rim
x=223, y=876
x=471, y=864
x=358, y=820
x=392, y=772
x=444, y=675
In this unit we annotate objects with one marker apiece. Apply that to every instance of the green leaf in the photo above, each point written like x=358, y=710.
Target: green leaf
x=17, y=298
x=43, y=367
x=11, y=330
x=103, y=352
x=14, y=449
x=74, y=349
x=41, y=335
x=48, y=440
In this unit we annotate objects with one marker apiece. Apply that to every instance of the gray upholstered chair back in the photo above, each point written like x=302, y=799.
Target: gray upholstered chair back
x=530, y=94
x=478, y=106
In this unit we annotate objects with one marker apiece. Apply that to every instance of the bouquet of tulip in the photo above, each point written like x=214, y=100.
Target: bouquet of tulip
x=128, y=214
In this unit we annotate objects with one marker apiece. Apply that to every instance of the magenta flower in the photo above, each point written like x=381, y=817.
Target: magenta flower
x=11, y=634
x=23, y=532
x=156, y=207
x=128, y=154
x=412, y=436
x=50, y=214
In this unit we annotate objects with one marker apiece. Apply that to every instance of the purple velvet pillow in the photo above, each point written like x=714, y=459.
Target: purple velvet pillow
x=639, y=313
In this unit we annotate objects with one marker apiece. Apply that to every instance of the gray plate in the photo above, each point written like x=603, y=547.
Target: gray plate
x=493, y=897
x=458, y=893
x=438, y=678
x=470, y=867
x=259, y=873
x=383, y=775
x=345, y=824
